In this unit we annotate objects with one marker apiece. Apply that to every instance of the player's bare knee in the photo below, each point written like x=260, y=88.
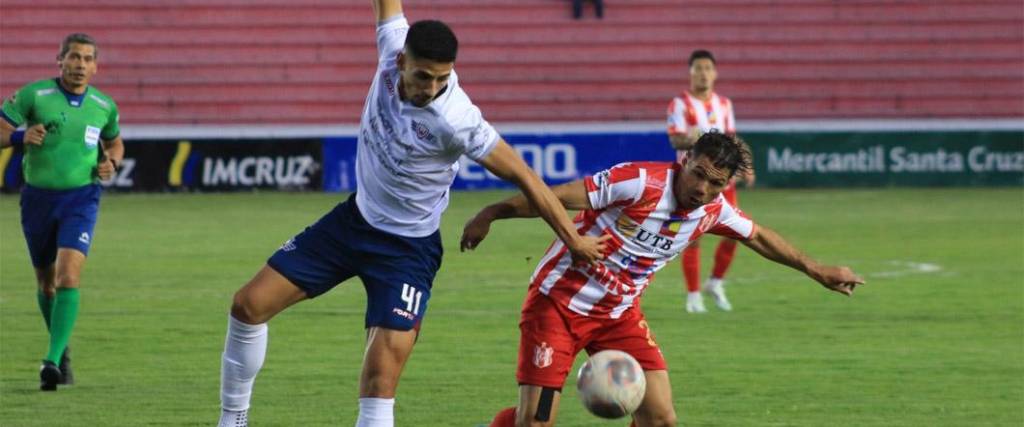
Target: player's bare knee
x=48, y=289
x=67, y=280
x=668, y=420
x=659, y=420
x=47, y=285
x=243, y=309
x=379, y=385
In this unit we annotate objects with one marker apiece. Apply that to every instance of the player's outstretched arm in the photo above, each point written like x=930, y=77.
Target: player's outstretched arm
x=385, y=9
x=506, y=164
x=772, y=246
x=573, y=195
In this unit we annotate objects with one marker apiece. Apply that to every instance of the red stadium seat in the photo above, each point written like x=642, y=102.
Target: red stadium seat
x=309, y=61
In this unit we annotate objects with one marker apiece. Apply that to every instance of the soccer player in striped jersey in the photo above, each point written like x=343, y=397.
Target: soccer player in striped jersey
x=651, y=211
x=71, y=141
x=416, y=123
x=691, y=114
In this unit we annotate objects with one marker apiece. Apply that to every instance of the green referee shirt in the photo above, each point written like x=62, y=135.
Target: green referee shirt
x=75, y=124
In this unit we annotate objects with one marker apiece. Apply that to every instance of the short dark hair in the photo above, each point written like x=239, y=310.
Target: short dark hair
x=79, y=38
x=724, y=151
x=701, y=53
x=433, y=40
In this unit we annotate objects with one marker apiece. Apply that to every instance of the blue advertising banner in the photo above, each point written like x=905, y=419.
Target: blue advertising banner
x=557, y=158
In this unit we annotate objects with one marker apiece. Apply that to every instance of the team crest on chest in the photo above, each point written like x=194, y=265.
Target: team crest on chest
x=422, y=131
x=626, y=226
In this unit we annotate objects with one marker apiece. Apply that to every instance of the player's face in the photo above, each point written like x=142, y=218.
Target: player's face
x=422, y=79
x=78, y=65
x=699, y=183
x=703, y=75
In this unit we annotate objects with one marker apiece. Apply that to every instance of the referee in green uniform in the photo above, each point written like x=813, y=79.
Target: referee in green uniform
x=71, y=140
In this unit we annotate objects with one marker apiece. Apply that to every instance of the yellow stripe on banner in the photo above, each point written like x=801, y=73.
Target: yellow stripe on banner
x=174, y=174
x=5, y=157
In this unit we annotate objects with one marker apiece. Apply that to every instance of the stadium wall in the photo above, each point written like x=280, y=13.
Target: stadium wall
x=825, y=154
x=867, y=153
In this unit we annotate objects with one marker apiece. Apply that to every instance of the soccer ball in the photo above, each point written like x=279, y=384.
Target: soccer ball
x=611, y=384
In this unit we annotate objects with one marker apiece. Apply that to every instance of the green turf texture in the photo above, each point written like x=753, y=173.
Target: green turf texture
x=911, y=348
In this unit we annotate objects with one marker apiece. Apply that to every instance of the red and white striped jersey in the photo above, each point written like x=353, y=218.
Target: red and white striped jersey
x=633, y=203
x=686, y=112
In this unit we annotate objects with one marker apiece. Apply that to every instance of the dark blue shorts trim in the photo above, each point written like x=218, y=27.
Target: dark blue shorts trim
x=54, y=219
x=397, y=272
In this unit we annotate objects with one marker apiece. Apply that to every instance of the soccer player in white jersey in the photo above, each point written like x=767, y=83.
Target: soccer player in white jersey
x=651, y=211
x=416, y=124
x=691, y=114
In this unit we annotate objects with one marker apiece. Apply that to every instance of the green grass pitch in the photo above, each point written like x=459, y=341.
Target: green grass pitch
x=936, y=337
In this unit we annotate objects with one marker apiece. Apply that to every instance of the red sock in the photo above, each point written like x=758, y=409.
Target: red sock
x=505, y=418
x=691, y=267
x=723, y=257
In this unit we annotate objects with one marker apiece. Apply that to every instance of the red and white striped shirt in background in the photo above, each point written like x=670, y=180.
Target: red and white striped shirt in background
x=634, y=203
x=686, y=112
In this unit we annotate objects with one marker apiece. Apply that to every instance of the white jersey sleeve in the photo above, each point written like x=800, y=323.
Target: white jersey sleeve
x=676, y=117
x=730, y=121
x=470, y=133
x=621, y=185
x=732, y=223
x=391, y=37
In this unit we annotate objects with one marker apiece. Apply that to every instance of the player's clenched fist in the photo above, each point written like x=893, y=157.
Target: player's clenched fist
x=35, y=134
x=106, y=168
x=475, y=231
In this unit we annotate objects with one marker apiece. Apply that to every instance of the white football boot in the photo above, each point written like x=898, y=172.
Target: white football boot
x=695, y=302
x=716, y=288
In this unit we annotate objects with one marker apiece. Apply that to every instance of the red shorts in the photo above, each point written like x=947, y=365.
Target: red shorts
x=551, y=336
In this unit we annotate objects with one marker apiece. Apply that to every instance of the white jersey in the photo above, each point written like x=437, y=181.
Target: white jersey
x=408, y=156
x=633, y=203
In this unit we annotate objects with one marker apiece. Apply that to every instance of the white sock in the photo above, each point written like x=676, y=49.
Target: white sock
x=244, y=350
x=693, y=295
x=376, y=412
x=714, y=282
x=233, y=418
